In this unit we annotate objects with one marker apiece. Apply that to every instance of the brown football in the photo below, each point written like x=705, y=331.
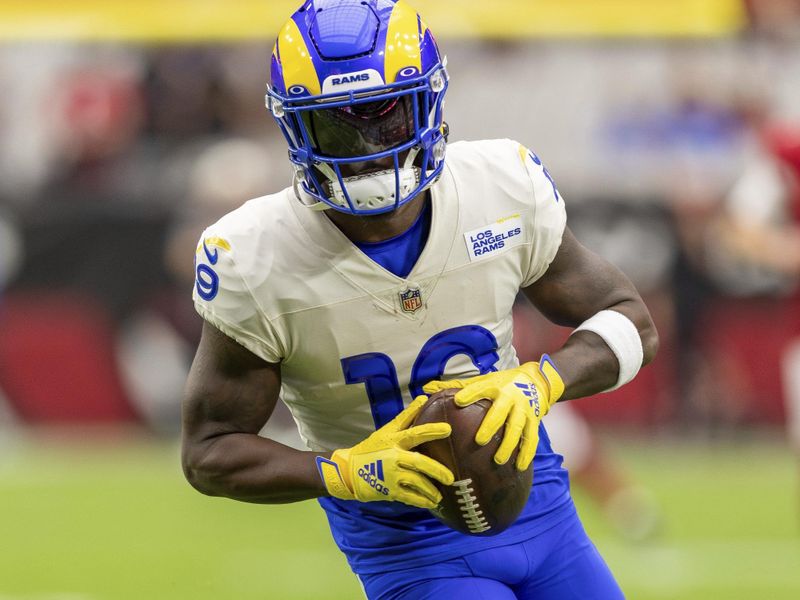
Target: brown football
x=485, y=498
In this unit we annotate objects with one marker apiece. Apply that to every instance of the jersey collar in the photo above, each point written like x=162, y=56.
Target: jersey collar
x=351, y=263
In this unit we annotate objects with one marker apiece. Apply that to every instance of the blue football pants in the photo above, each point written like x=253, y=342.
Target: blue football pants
x=560, y=564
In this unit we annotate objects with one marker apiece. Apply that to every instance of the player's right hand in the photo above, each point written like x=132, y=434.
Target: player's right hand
x=520, y=398
x=383, y=466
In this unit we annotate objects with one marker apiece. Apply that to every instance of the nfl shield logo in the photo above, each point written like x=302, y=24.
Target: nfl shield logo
x=411, y=300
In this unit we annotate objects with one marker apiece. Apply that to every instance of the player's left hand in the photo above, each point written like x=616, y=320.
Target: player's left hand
x=520, y=398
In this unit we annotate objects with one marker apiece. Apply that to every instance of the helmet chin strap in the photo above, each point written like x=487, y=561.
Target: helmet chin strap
x=305, y=198
x=369, y=192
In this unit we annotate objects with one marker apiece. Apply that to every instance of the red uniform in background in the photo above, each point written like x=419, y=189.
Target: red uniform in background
x=783, y=143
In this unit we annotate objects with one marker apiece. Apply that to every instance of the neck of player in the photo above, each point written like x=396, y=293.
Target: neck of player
x=377, y=228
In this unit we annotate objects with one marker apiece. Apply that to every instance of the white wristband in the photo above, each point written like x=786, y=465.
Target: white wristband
x=621, y=335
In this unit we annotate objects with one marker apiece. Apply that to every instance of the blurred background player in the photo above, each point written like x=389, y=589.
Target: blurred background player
x=756, y=240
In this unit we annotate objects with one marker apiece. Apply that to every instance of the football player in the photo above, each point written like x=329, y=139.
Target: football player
x=388, y=271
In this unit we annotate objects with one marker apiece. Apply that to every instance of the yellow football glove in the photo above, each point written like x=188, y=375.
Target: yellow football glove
x=520, y=398
x=383, y=467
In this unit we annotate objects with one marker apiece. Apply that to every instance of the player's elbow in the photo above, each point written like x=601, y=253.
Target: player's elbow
x=636, y=310
x=196, y=478
x=199, y=470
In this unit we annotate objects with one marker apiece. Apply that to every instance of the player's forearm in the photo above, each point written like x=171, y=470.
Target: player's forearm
x=586, y=363
x=616, y=334
x=250, y=468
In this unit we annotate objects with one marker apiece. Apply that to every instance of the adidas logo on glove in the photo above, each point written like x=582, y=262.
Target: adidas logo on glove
x=532, y=394
x=372, y=473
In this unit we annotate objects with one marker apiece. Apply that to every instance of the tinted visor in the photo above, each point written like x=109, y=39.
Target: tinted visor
x=360, y=129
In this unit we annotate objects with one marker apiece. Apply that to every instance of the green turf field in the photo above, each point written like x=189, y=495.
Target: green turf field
x=116, y=521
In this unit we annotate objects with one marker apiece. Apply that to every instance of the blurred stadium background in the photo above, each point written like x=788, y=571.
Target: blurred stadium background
x=672, y=128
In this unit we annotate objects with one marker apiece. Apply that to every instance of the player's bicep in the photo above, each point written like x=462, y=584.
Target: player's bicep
x=578, y=284
x=229, y=390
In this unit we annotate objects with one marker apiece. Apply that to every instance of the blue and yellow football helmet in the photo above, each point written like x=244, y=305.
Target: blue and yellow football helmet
x=357, y=87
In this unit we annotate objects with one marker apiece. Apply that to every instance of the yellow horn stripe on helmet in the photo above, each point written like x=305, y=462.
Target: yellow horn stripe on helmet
x=298, y=68
x=402, y=42
x=423, y=29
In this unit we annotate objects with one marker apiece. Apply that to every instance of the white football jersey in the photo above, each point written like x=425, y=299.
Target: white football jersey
x=355, y=341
